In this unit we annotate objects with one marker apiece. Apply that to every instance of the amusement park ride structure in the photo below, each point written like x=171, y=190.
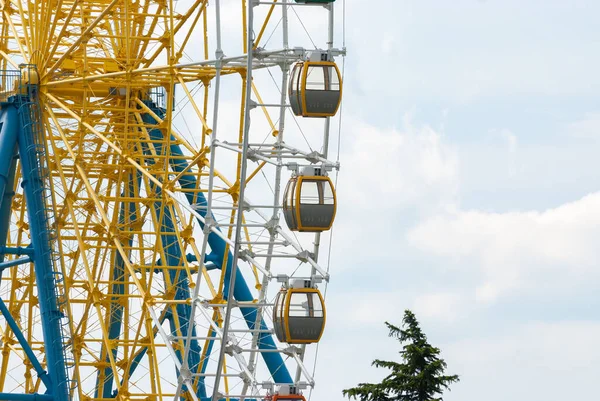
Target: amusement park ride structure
x=142, y=251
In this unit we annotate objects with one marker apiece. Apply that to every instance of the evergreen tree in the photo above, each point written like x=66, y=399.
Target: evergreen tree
x=419, y=378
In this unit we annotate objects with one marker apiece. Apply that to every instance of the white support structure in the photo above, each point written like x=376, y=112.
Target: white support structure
x=252, y=231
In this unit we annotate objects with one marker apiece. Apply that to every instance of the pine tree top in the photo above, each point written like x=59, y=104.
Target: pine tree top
x=420, y=376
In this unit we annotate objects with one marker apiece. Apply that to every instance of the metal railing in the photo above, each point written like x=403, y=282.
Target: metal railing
x=10, y=84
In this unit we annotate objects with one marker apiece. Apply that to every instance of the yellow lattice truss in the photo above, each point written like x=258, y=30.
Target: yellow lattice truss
x=101, y=64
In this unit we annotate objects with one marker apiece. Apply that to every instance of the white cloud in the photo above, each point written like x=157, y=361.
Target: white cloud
x=588, y=127
x=516, y=250
x=512, y=152
x=512, y=144
x=472, y=50
x=398, y=167
x=536, y=361
x=445, y=306
x=387, y=174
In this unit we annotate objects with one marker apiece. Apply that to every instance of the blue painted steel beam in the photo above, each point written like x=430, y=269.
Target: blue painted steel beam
x=9, y=123
x=126, y=215
x=42, y=374
x=33, y=187
x=15, y=262
x=25, y=397
x=16, y=251
x=241, y=291
x=179, y=280
x=177, y=277
x=8, y=150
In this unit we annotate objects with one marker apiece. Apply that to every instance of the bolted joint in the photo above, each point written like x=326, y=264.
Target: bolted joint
x=251, y=155
x=272, y=226
x=305, y=255
x=230, y=349
x=204, y=303
x=185, y=374
x=246, y=255
x=314, y=157
x=291, y=351
x=209, y=223
x=246, y=207
x=247, y=379
x=267, y=385
x=258, y=53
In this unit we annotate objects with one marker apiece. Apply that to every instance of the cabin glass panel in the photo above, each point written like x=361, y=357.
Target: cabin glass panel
x=333, y=80
x=315, y=305
x=310, y=193
x=296, y=78
x=327, y=193
x=278, y=316
x=289, y=207
x=315, y=78
x=300, y=306
x=305, y=304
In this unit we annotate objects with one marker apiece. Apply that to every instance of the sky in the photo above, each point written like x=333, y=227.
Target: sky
x=470, y=180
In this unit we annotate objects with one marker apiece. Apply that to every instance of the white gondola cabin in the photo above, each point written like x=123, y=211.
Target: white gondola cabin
x=309, y=202
x=315, y=88
x=299, y=314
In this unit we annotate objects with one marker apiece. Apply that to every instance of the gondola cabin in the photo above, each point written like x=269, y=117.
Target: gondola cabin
x=309, y=202
x=299, y=314
x=315, y=88
x=285, y=393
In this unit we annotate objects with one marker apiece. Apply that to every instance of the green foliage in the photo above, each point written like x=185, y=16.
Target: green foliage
x=419, y=378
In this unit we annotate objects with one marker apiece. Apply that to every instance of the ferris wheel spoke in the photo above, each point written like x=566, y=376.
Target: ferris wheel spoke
x=9, y=60
x=84, y=35
x=9, y=20
x=56, y=43
x=50, y=26
x=24, y=26
x=198, y=7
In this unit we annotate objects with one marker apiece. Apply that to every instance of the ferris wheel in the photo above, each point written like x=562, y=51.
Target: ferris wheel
x=165, y=194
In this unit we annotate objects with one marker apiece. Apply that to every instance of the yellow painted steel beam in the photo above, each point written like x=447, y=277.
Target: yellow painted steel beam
x=85, y=34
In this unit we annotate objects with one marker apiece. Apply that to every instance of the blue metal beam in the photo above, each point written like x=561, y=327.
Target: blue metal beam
x=14, y=262
x=29, y=131
x=242, y=292
x=25, y=397
x=8, y=181
x=177, y=277
x=8, y=145
x=127, y=214
x=17, y=251
x=179, y=280
x=42, y=374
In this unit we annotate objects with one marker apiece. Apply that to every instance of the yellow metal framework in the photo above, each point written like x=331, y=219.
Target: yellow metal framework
x=100, y=62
